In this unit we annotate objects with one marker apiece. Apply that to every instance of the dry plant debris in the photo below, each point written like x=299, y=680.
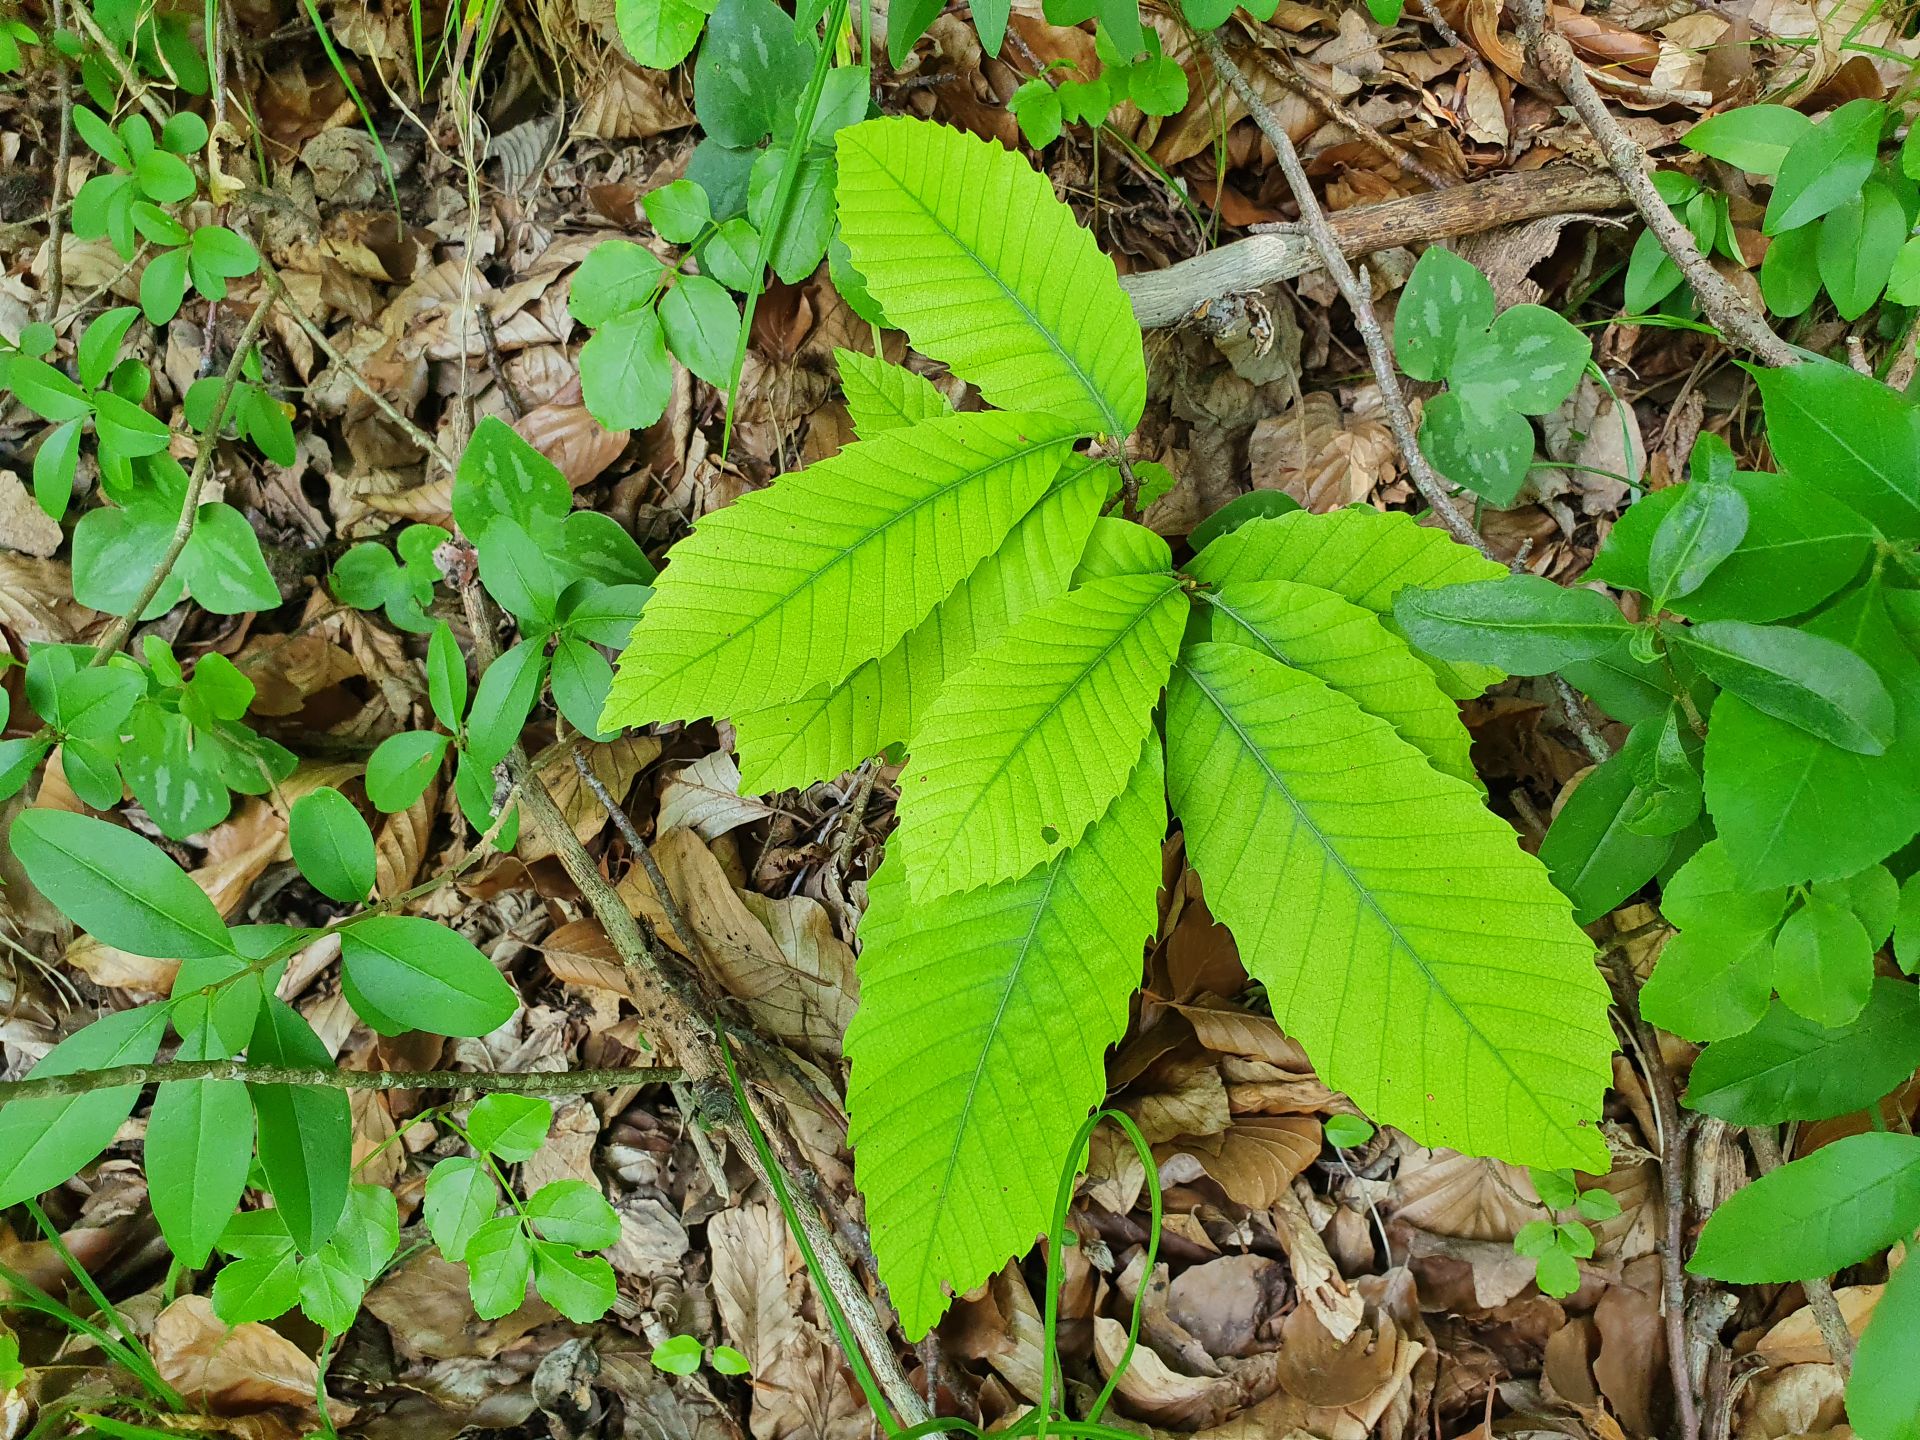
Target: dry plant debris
x=428, y=190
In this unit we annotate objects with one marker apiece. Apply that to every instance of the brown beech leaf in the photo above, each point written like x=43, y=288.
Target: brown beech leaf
x=579, y=953
x=705, y=797
x=1323, y=1371
x=572, y=439
x=1463, y=1196
x=616, y=763
x=234, y=1372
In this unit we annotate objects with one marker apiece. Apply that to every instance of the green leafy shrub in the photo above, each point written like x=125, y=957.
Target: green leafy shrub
x=1840, y=217
x=1842, y=1205
x=209, y=1140
x=1558, y=1246
x=1769, y=783
x=947, y=583
x=176, y=741
x=573, y=579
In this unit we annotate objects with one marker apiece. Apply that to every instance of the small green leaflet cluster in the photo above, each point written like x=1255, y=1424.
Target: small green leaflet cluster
x=682, y=1354
x=325, y=1239
x=116, y=546
x=266, y=1275
x=369, y=577
x=575, y=580
x=125, y=206
x=1155, y=84
x=13, y=35
x=162, y=47
x=1558, y=1246
x=754, y=69
x=1498, y=369
x=1844, y=1204
x=947, y=583
x=177, y=742
x=1839, y=217
x=542, y=1236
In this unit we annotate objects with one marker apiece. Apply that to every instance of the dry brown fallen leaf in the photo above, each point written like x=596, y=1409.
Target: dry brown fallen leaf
x=238, y=1371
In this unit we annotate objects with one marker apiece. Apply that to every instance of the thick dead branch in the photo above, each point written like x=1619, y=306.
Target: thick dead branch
x=1165, y=297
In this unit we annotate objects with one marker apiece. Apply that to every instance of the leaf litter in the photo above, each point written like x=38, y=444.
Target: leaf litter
x=1302, y=1288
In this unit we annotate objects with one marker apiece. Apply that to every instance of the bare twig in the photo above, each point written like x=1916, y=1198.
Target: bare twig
x=117, y=633
x=327, y=348
x=1738, y=321
x=676, y=917
x=1574, y=709
x=1334, y=108
x=855, y=821
x=63, y=159
x=528, y=1082
x=1168, y=295
x=1675, y=1138
x=1357, y=295
x=135, y=86
x=1648, y=94
x=1819, y=1291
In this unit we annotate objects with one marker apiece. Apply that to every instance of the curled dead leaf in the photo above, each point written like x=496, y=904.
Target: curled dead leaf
x=572, y=439
x=1254, y=1160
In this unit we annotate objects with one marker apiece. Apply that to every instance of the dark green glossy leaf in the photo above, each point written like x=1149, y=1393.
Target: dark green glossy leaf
x=1840, y=1205
x=1805, y=679
x=1790, y=1068
x=332, y=845
x=425, y=976
x=120, y=888
x=1525, y=624
x=306, y=1133
x=44, y=1142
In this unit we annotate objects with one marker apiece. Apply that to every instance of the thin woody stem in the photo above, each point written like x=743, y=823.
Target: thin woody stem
x=1676, y=1137
x=1358, y=297
x=56, y=216
x=676, y=918
x=1827, y=1315
x=327, y=348
x=527, y=1082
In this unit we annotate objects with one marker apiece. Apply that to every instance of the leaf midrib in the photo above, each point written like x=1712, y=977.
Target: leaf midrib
x=1817, y=1057
x=222, y=942
x=1365, y=892
x=1889, y=488
x=1040, y=907
x=986, y=786
x=1114, y=427
x=1027, y=450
